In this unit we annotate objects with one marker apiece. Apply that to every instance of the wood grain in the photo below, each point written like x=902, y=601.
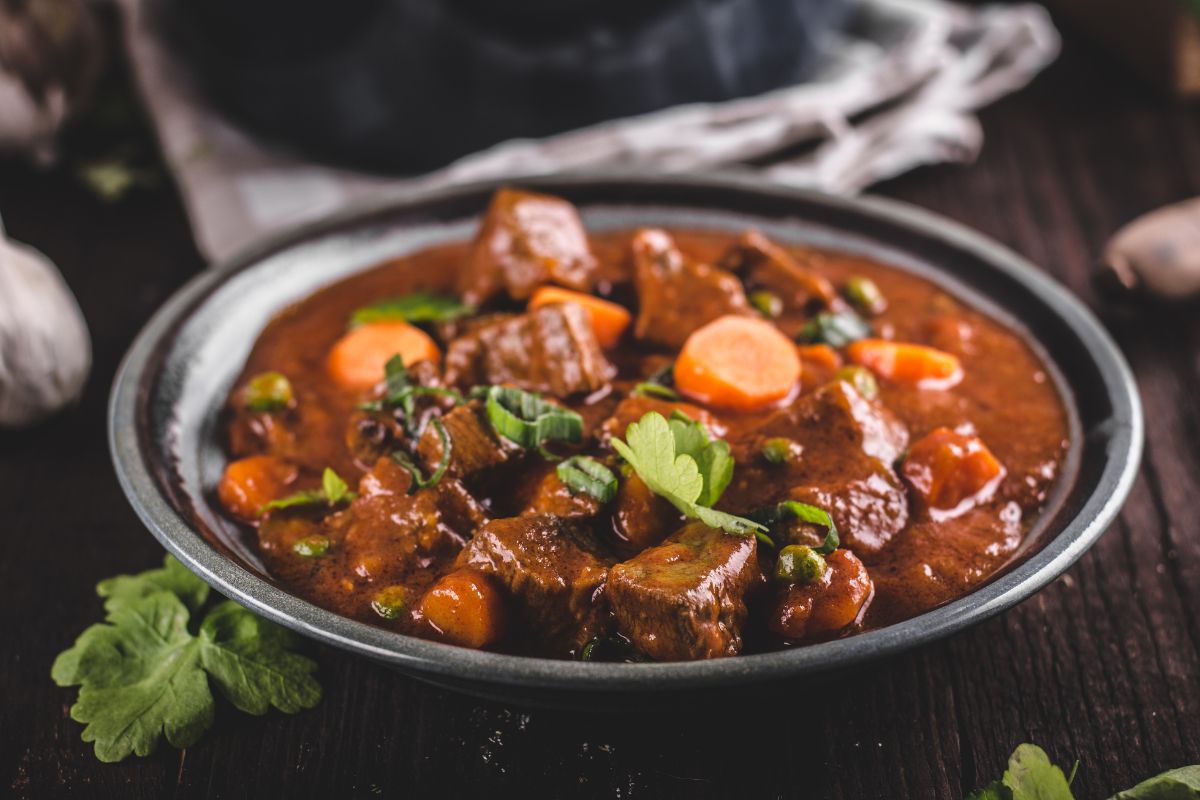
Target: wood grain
x=1103, y=666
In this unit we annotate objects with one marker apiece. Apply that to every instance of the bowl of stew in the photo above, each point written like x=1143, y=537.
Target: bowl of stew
x=589, y=439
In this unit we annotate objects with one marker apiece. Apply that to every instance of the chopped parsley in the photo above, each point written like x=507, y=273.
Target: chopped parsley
x=149, y=670
x=333, y=491
x=678, y=462
x=415, y=307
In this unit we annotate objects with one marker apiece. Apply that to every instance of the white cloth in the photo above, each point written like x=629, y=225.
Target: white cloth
x=895, y=89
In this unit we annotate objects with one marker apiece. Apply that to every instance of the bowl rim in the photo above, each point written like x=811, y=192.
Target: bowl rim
x=433, y=660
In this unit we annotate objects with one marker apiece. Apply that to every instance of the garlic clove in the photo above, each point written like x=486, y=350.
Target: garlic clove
x=1158, y=254
x=45, y=351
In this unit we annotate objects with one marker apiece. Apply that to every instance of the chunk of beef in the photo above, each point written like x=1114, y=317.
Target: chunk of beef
x=765, y=265
x=833, y=602
x=555, y=572
x=474, y=445
x=685, y=598
x=539, y=491
x=677, y=294
x=640, y=518
x=526, y=240
x=550, y=349
x=846, y=448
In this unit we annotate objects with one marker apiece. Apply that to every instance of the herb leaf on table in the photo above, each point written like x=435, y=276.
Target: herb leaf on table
x=1175, y=784
x=1031, y=776
x=145, y=674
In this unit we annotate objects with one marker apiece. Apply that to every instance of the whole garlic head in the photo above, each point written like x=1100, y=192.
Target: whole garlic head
x=45, y=352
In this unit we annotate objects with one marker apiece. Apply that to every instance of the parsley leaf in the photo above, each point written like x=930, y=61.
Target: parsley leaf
x=1175, y=784
x=1030, y=776
x=144, y=674
x=415, y=307
x=668, y=457
x=332, y=492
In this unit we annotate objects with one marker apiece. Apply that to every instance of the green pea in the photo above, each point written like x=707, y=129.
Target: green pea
x=311, y=546
x=864, y=294
x=767, y=303
x=799, y=563
x=861, y=378
x=268, y=391
x=778, y=449
x=390, y=602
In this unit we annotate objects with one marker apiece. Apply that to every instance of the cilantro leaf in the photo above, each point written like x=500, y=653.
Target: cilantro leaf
x=145, y=675
x=1176, y=784
x=995, y=790
x=1031, y=776
x=333, y=491
x=172, y=577
x=667, y=456
x=415, y=307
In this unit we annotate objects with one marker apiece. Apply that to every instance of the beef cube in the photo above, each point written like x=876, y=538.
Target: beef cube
x=677, y=294
x=631, y=409
x=553, y=569
x=765, y=265
x=541, y=492
x=550, y=349
x=474, y=445
x=685, y=598
x=847, y=446
x=526, y=240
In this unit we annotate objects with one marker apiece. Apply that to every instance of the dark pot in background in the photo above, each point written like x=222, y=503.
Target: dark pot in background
x=409, y=85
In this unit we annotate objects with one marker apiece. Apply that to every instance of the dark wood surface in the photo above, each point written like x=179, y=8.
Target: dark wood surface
x=1103, y=665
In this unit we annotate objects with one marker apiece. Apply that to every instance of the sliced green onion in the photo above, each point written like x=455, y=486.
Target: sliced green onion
x=391, y=601
x=836, y=329
x=417, y=481
x=311, y=546
x=864, y=295
x=587, y=475
x=778, y=449
x=528, y=420
x=647, y=389
x=800, y=564
x=415, y=307
x=861, y=378
x=791, y=509
x=768, y=304
x=268, y=391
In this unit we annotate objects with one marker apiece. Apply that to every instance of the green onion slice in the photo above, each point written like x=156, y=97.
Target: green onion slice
x=528, y=420
x=587, y=475
x=419, y=482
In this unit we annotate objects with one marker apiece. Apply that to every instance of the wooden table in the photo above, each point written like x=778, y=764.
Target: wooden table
x=1104, y=665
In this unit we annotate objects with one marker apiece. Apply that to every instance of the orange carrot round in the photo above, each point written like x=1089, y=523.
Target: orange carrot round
x=465, y=608
x=357, y=359
x=739, y=363
x=248, y=484
x=609, y=320
x=903, y=362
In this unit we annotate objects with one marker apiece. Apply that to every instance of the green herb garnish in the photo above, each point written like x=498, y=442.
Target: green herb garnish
x=418, y=481
x=529, y=421
x=677, y=461
x=648, y=389
x=587, y=475
x=268, y=391
x=313, y=546
x=147, y=672
x=791, y=509
x=836, y=329
x=415, y=307
x=332, y=492
x=1175, y=784
x=401, y=393
x=768, y=304
x=1031, y=776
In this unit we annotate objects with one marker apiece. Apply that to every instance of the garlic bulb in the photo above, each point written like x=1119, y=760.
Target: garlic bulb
x=50, y=56
x=45, y=352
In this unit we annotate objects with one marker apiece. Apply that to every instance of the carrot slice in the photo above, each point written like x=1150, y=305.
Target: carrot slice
x=250, y=483
x=609, y=320
x=736, y=362
x=357, y=359
x=907, y=363
x=465, y=608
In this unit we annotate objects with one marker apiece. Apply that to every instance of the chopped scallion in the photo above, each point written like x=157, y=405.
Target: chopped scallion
x=584, y=474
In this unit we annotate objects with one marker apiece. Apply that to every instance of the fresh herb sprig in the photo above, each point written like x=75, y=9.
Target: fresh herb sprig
x=148, y=671
x=401, y=393
x=678, y=462
x=415, y=307
x=1032, y=776
x=333, y=492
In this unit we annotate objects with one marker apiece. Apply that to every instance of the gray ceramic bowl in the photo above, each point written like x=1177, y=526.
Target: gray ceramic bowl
x=163, y=424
